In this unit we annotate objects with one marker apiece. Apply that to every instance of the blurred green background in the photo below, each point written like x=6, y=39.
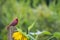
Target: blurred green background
x=46, y=13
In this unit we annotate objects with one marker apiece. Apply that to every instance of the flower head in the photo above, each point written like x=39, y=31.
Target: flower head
x=18, y=36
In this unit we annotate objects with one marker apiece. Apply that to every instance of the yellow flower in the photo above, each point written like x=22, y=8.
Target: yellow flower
x=18, y=36
x=24, y=38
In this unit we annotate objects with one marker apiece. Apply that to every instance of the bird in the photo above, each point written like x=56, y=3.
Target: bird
x=13, y=23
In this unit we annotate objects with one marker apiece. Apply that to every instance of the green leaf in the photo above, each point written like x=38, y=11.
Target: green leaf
x=47, y=33
x=31, y=26
x=56, y=34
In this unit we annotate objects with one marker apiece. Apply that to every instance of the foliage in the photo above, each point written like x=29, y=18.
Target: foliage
x=33, y=15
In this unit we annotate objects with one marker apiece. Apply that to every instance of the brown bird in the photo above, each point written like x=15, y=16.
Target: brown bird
x=13, y=23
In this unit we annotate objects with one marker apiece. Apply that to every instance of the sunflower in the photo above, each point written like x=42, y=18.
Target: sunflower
x=18, y=36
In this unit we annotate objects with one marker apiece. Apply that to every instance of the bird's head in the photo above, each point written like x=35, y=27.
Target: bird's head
x=16, y=19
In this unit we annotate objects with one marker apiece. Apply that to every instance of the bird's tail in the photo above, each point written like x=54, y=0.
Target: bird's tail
x=7, y=27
